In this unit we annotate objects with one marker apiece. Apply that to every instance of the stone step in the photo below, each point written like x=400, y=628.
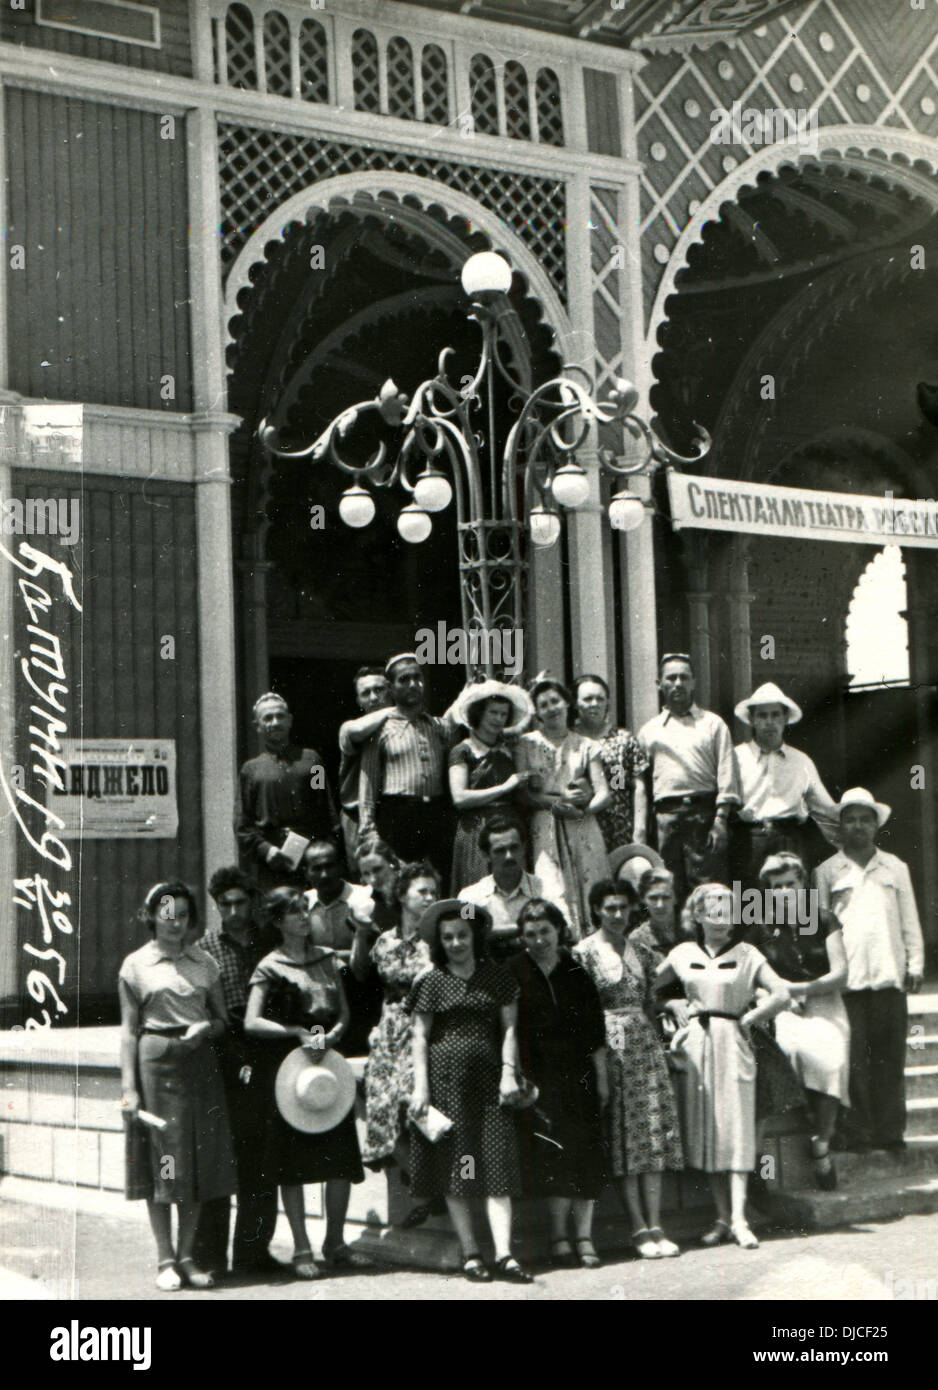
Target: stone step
x=921, y=1049
x=920, y=1156
x=922, y=1116
x=921, y=1082
x=875, y=1199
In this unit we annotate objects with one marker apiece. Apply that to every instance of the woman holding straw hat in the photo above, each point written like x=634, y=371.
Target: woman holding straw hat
x=483, y=776
x=297, y=998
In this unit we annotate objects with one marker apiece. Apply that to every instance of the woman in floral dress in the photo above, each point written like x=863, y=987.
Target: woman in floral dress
x=399, y=956
x=567, y=793
x=644, y=1138
x=626, y=818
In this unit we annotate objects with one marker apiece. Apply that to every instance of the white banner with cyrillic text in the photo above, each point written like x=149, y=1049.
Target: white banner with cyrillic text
x=723, y=504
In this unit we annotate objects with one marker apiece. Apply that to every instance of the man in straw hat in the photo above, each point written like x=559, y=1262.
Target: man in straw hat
x=402, y=785
x=781, y=787
x=870, y=892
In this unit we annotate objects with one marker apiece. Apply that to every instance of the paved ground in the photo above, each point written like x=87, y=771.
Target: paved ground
x=47, y=1253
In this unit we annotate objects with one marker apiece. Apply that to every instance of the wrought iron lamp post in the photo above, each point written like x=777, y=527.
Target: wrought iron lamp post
x=449, y=451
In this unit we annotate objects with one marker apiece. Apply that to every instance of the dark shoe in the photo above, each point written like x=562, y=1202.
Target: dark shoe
x=263, y=1263
x=562, y=1254
x=475, y=1271
x=824, y=1170
x=343, y=1257
x=509, y=1270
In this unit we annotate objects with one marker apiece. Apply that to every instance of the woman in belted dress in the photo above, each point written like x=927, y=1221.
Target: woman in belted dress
x=720, y=975
x=171, y=1004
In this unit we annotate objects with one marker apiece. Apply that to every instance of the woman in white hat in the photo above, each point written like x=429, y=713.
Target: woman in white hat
x=483, y=776
x=297, y=998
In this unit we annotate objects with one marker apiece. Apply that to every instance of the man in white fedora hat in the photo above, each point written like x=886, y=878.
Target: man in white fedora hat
x=781, y=787
x=870, y=892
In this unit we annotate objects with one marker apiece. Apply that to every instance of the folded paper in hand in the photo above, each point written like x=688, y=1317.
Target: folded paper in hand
x=293, y=848
x=434, y=1125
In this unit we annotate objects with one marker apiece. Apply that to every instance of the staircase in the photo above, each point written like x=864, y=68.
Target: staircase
x=878, y=1185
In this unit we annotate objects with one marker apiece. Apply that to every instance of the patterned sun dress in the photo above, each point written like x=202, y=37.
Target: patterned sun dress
x=623, y=761
x=643, y=1130
x=389, y=1070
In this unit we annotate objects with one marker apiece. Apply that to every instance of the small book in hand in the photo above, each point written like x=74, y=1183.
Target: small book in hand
x=293, y=848
x=434, y=1124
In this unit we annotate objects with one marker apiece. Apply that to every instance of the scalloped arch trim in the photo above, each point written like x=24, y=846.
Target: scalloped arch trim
x=345, y=189
x=901, y=153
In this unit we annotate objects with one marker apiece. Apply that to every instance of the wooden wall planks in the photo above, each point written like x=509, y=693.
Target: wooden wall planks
x=173, y=54
x=98, y=199
x=137, y=582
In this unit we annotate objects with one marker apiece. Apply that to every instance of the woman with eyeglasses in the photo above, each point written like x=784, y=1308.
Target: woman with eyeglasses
x=642, y=1122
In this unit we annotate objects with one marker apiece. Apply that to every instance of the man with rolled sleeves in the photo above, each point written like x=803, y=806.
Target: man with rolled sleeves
x=283, y=789
x=695, y=782
x=870, y=893
x=780, y=787
x=402, y=791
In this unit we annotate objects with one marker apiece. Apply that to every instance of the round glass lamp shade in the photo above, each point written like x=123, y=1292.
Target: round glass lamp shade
x=356, y=506
x=413, y=524
x=486, y=273
x=570, y=486
x=544, y=526
x=433, y=491
x=626, y=511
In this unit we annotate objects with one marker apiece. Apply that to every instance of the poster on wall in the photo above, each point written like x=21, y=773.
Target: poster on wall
x=115, y=789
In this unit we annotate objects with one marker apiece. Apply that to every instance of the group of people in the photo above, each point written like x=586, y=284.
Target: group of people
x=547, y=1004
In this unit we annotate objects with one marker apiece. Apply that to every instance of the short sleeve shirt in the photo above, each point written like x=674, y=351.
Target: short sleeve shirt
x=170, y=992
x=488, y=988
x=300, y=994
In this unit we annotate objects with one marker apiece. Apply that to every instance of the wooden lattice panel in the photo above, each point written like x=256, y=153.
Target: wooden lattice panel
x=402, y=99
x=517, y=102
x=435, y=78
x=277, y=55
x=862, y=63
x=260, y=169
x=549, y=108
x=240, y=57
x=314, y=61
x=484, y=95
x=365, y=71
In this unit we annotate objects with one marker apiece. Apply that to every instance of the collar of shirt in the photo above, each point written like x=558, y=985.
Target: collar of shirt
x=226, y=936
x=525, y=887
x=288, y=754
x=312, y=897
x=319, y=953
x=398, y=717
x=693, y=714
x=766, y=752
x=847, y=871
x=154, y=953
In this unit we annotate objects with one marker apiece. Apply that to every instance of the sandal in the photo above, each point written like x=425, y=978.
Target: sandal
x=824, y=1169
x=586, y=1253
x=561, y=1253
x=194, y=1278
x=508, y=1268
x=474, y=1270
x=719, y=1234
x=304, y=1266
x=645, y=1244
x=167, y=1279
x=667, y=1247
x=744, y=1237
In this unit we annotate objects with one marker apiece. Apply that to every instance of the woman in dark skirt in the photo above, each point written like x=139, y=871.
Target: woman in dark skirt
x=296, y=999
x=562, y=1042
x=171, y=1004
x=466, y=1067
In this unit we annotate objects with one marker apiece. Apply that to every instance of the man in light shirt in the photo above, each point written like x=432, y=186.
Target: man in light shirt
x=780, y=787
x=870, y=892
x=373, y=696
x=695, y=782
x=505, y=890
